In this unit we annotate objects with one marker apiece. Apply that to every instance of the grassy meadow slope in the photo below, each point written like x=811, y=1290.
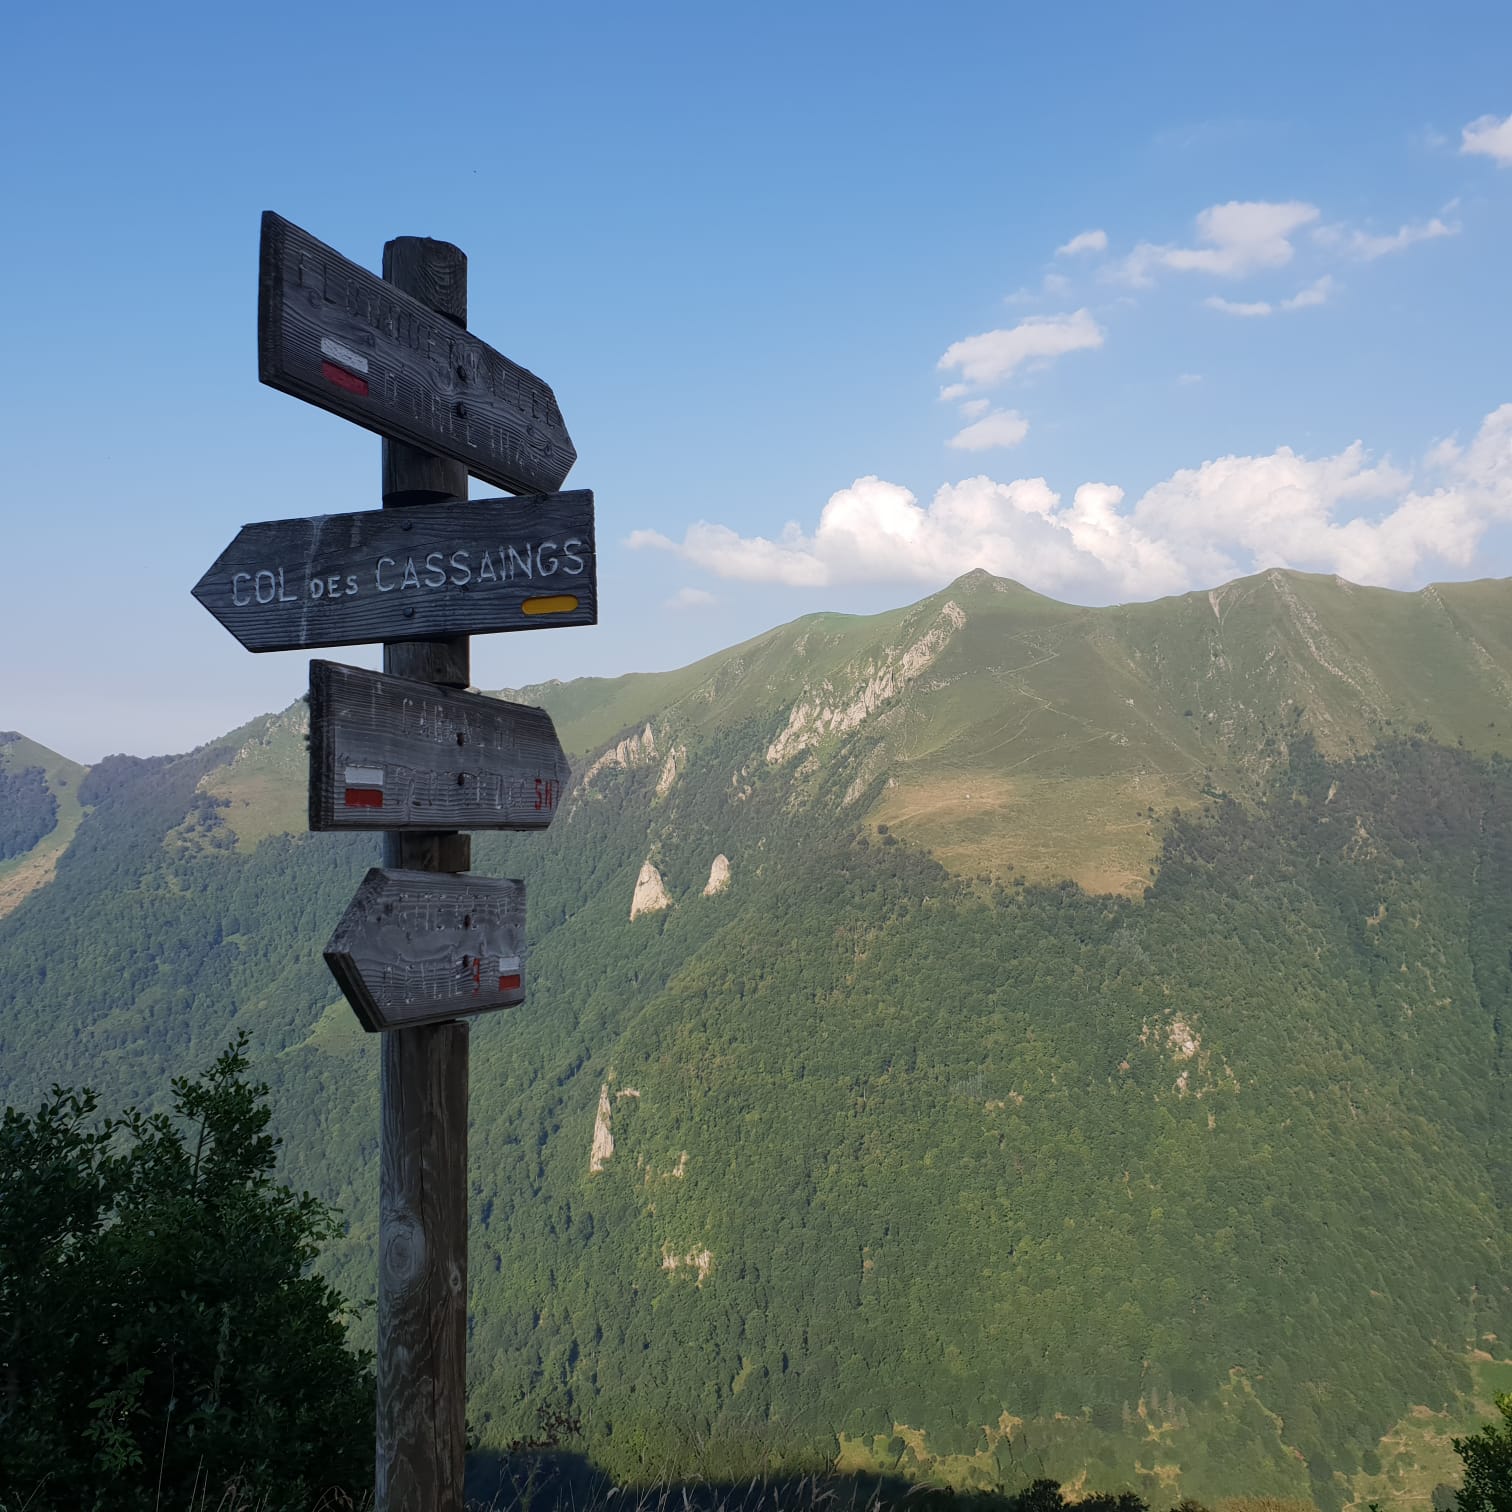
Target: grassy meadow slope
x=1095, y=1062
x=1021, y=736
x=46, y=785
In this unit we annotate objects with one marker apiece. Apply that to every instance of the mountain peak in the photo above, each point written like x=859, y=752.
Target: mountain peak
x=979, y=580
x=979, y=577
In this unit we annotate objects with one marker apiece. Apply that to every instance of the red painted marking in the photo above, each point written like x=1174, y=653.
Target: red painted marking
x=509, y=984
x=343, y=379
x=364, y=798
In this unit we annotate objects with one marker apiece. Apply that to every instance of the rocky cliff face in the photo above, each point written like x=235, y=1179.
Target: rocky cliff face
x=650, y=893
x=719, y=876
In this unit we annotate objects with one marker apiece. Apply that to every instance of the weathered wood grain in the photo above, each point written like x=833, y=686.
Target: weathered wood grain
x=418, y=947
x=340, y=337
x=391, y=753
x=422, y=1270
x=422, y=1341
x=435, y=272
x=421, y=573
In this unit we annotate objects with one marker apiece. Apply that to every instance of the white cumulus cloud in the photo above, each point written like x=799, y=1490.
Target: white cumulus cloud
x=750, y=559
x=1250, y=308
x=993, y=356
x=1367, y=247
x=1084, y=241
x=1490, y=137
x=1315, y=293
x=974, y=408
x=1366, y=520
x=1000, y=428
x=1243, y=236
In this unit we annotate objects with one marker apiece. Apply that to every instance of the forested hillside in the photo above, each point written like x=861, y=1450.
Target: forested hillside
x=1048, y=1037
x=39, y=813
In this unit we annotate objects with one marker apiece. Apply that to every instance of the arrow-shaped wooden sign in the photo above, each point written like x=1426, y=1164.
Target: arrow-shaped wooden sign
x=420, y=947
x=424, y=573
x=337, y=336
x=387, y=753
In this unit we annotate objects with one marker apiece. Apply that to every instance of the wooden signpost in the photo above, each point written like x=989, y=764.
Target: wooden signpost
x=417, y=948
x=422, y=947
x=463, y=568
x=388, y=753
x=337, y=336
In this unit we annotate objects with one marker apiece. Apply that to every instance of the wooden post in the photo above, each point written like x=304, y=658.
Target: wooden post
x=422, y=1224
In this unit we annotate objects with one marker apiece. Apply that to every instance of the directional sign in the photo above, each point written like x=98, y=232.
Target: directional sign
x=390, y=754
x=422, y=573
x=342, y=338
x=418, y=947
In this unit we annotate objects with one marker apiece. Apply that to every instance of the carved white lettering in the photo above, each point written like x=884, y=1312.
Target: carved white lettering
x=435, y=573
x=486, y=573
x=272, y=588
x=237, y=579
x=285, y=598
x=570, y=551
x=411, y=577
x=459, y=565
x=524, y=561
x=541, y=551
x=378, y=574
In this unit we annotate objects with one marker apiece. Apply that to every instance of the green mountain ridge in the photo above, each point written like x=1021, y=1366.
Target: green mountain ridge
x=1095, y=1057
x=39, y=814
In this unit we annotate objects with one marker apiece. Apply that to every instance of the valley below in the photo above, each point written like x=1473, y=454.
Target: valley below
x=991, y=1039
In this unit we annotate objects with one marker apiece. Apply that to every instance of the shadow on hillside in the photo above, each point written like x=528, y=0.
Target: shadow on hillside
x=562, y=1481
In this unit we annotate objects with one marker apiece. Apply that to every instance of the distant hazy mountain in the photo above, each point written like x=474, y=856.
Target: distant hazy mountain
x=1046, y=1040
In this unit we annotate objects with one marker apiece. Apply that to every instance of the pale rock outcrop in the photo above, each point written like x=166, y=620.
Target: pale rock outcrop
x=677, y=758
x=633, y=750
x=650, y=895
x=1182, y=1039
x=294, y=721
x=826, y=712
x=719, y=876
x=701, y=1260
x=1323, y=650
x=1201, y=1071
x=603, y=1137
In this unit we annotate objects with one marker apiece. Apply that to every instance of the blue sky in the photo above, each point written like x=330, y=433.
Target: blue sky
x=749, y=247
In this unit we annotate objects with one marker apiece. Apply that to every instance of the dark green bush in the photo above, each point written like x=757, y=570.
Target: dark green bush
x=161, y=1334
